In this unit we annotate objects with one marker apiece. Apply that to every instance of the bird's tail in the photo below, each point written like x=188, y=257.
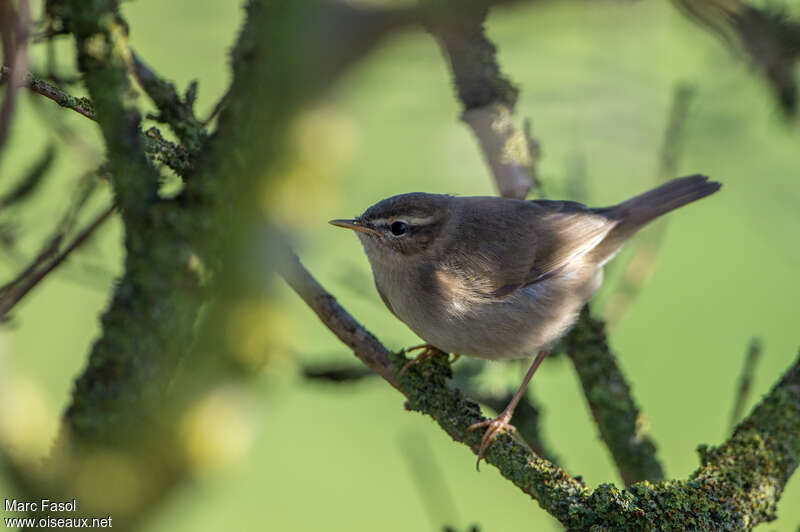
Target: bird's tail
x=644, y=208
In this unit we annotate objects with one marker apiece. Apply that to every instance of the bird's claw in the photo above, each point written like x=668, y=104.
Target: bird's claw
x=494, y=427
x=428, y=351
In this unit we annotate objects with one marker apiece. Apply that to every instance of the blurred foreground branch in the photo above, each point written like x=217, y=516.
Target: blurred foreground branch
x=182, y=252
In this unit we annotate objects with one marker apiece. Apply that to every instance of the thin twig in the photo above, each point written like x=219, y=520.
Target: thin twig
x=173, y=110
x=217, y=107
x=24, y=188
x=746, y=380
x=156, y=146
x=20, y=287
x=350, y=332
x=48, y=90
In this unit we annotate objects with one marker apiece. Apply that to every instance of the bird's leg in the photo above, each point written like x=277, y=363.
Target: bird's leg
x=502, y=422
x=427, y=352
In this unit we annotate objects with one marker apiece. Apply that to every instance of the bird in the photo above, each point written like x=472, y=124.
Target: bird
x=500, y=278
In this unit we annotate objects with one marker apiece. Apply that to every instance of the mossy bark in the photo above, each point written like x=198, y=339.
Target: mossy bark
x=611, y=402
x=156, y=357
x=736, y=487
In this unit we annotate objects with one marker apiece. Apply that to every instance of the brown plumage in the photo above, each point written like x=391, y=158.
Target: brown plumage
x=499, y=278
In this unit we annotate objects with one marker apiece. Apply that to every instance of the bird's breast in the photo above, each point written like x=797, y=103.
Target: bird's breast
x=446, y=310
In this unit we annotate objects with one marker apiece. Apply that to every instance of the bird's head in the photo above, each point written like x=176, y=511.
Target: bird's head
x=401, y=226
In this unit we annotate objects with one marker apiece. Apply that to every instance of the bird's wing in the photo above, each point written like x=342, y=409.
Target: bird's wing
x=566, y=231
x=500, y=247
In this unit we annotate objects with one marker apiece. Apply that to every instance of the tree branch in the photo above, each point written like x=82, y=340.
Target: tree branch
x=78, y=104
x=736, y=488
x=173, y=110
x=424, y=385
x=526, y=420
x=149, y=321
x=155, y=145
x=488, y=97
x=618, y=418
x=14, y=29
x=365, y=346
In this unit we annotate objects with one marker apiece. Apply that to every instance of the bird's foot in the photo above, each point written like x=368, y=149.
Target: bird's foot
x=493, y=427
x=428, y=351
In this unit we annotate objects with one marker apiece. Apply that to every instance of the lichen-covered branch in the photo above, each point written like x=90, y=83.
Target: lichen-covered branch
x=526, y=420
x=425, y=387
x=133, y=392
x=173, y=110
x=78, y=104
x=736, y=487
x=155, y=145
x=488, y=97
x=749, y=471
x=618, y=418
x=174, y=156
x=147, y=317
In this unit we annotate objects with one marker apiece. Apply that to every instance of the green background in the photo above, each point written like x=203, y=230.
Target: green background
x=596, y=80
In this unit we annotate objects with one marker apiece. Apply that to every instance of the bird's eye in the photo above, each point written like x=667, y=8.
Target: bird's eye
x=398, y=228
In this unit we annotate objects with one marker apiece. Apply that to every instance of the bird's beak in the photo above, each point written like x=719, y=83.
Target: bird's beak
x=355, y=225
